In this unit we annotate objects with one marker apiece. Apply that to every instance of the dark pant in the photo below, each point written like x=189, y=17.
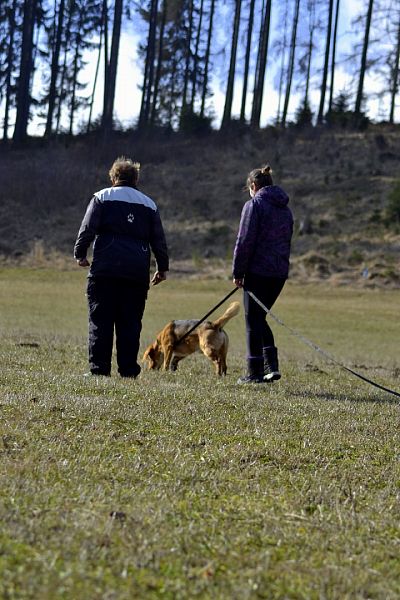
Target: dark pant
x=119, y=303
x=258, y=332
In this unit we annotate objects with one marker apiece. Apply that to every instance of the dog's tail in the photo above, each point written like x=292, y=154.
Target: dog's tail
x=230, y=312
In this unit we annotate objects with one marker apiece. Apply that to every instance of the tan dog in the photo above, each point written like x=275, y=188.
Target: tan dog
x=209, y=338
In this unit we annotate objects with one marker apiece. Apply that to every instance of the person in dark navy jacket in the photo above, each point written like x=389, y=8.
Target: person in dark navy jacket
x=125, y=226
x=261, y=266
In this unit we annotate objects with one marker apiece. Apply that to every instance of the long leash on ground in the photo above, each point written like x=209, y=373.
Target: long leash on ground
x=205, y=316
x=320, y=350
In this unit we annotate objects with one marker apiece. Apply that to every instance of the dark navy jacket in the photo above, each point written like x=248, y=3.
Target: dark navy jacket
x=125, y=225
x=265, y=231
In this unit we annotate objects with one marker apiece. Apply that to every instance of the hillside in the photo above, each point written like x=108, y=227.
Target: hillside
x=338, y=182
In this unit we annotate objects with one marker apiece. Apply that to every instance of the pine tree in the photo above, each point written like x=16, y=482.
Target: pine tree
x=227, y=115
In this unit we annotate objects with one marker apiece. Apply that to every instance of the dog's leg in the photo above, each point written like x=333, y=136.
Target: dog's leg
x=168, y=352
x=175, y=361
x=222, y=366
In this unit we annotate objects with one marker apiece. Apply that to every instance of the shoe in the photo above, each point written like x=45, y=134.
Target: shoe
x=271, y=364
x=250, y=379
x=272, y=376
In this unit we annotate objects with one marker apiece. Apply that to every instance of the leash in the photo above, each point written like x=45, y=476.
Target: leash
x=207, y=315
x=320, y=350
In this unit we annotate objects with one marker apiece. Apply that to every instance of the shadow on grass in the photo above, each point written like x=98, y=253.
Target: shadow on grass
x=382, y=398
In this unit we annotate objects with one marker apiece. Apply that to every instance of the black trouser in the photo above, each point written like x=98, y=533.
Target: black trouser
x=119, y=303
x=258, y=332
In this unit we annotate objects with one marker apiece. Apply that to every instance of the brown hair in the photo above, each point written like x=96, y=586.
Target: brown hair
x=124, y=172
x=261, y=177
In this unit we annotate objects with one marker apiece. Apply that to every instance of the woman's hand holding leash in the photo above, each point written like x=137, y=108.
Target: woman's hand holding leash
x=238, y=282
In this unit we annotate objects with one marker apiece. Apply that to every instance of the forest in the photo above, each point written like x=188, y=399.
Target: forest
x=251, y=49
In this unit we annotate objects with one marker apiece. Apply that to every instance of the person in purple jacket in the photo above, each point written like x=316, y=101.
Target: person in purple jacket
x=261, y=266
x=125, y=226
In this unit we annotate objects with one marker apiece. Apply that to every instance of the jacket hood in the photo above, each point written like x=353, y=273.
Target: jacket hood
x=273, y=194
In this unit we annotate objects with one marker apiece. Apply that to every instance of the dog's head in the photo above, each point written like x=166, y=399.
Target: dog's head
x=153, y=356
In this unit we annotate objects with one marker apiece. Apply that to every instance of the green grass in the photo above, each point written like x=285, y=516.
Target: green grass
x=183, y=485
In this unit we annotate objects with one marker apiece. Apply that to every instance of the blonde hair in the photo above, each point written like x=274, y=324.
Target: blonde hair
x=124, y=171
x=261, y=177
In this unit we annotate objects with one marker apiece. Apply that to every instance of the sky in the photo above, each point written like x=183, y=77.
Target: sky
x=129, y=78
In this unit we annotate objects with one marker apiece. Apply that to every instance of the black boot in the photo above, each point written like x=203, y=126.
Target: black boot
x=271, y=364
x=255, y=371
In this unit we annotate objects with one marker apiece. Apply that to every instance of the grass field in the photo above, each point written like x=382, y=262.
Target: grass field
x=183, y=485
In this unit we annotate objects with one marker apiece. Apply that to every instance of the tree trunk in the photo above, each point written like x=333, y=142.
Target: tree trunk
x=172, y=94
x=311, y=29
x=149, y=67
x=333, y=61
x=54, y=70
x=106, y=54
x=10, y=60
x=112, y=67
x=75, y=73
x=196, y=56
x=291, y=63
x=207, y=59
x=247, y=61
x=232, y=66
x=64, y=67
x=282, y=69
x=96, y=75
x=359, y=98
x=326, y=63
x=25, y=74
x=261, y=67
x=395, y=84
x=188, y=57
x=159, y=63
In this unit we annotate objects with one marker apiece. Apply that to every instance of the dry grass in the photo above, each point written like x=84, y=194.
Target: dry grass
x=338, y=181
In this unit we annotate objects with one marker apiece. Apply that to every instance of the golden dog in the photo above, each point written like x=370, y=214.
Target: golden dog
x=209, y=338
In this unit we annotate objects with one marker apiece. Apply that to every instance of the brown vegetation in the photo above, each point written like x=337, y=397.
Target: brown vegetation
x=338, y=181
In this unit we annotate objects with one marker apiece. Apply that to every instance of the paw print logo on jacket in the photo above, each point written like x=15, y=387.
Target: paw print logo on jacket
x=130, y=218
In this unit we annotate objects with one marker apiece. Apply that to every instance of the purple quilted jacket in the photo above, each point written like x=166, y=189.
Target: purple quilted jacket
x=265, y=231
